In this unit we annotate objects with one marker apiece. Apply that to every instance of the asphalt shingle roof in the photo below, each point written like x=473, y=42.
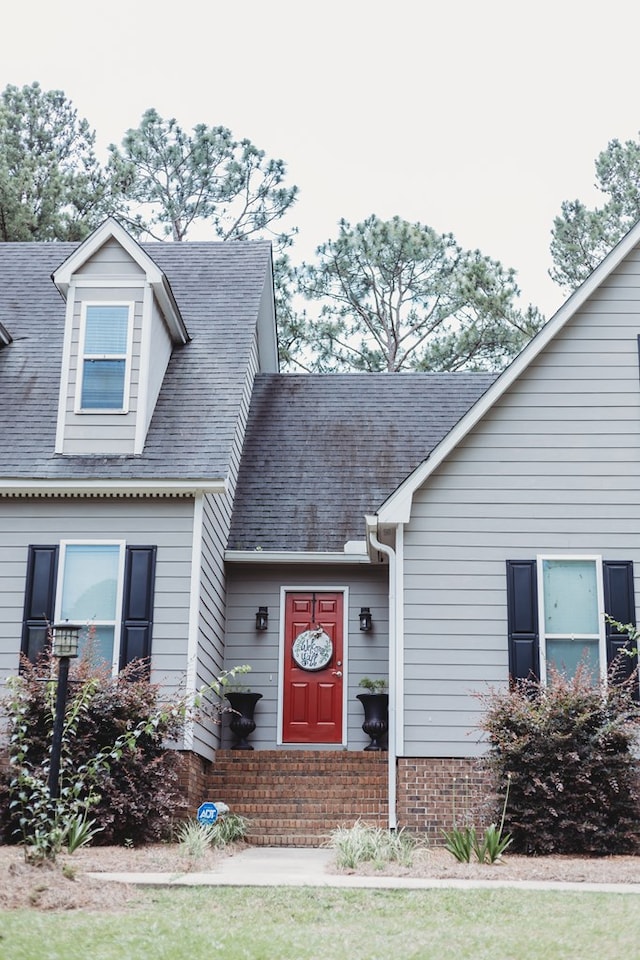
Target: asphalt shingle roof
x=217, y=287
x=321, y=451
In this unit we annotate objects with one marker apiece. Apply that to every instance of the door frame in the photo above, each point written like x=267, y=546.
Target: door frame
x=317, y=588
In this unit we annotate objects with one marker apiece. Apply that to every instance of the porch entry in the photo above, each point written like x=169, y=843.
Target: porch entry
x=313, y=668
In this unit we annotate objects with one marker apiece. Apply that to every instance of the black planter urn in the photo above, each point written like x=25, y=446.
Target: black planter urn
x=242, y=723
x=376, y=718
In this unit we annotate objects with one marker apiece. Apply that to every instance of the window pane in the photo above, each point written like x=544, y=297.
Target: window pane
x=106, y=329
x=570, y=597
x=100, y=642
x=103, y=385
x=90, y=582
x=565, y=655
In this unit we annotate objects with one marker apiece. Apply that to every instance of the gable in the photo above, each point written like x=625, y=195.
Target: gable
x=608, y=281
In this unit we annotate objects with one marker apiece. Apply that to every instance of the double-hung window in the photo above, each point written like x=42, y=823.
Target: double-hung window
x=89, y=591
x=103, y=383
x=571, y=615
x=556, y=606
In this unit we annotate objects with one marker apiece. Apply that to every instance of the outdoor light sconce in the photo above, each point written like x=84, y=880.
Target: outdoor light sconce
x=262, y=618
x=66, y=637
x=65, y=647
x=365, y=619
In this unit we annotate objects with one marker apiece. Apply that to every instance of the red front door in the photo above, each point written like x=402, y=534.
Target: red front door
x=313, y=668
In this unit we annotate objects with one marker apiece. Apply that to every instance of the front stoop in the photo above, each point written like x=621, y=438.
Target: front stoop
x=294, y=798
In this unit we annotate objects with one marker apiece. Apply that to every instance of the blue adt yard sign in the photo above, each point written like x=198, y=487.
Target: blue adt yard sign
x=207, y=813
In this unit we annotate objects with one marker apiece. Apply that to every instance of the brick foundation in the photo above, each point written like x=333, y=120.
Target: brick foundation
x=433, y=792
x=193, y=778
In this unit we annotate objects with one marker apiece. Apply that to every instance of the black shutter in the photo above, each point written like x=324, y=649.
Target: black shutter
x=39, y=600
x=522, y=619
x=137, y=611
x=619, y=603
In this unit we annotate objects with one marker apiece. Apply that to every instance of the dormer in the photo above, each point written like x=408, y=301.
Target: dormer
x=122, y=323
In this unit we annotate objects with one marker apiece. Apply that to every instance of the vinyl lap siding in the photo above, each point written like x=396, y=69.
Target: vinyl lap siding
x=166, y=523
x=554, y=467
x=251, y=586
x=103, y=433
x=215, y=532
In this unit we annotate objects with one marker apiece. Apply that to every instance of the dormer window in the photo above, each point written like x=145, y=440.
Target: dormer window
x=103, y=385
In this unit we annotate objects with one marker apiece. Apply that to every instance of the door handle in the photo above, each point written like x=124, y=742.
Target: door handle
x=337, y=673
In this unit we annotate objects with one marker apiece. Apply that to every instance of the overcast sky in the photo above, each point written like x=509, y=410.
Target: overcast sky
x=476, y=117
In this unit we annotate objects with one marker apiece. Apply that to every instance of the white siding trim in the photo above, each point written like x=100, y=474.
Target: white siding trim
x=293, y=556
x=397, y=509
x=324, y=588
x=110, y=488
x=399, y=634
x=65, y=369
x=194, y=611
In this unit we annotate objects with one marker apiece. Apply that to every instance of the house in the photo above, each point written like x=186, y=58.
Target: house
x=160, y=479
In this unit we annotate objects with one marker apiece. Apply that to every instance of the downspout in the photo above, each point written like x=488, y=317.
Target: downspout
x=391, y=753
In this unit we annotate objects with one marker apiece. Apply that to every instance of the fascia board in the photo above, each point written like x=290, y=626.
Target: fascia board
x=267, y=325
x=397, y=508
x=5, y=336
x=63, y=276
x=110, y=488
x=293, y=556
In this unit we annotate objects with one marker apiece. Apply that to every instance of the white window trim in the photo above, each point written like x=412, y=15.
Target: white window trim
x=543, y=636
x=82, y=356
x=117, y=623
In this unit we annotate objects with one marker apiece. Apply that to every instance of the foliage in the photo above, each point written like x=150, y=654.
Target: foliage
x=196, y=838
x=114, y=765
x=398, y=296
x=172, y=178
x=581, y=237
x=464, y=842
x=363, y=843
x=51, y=185
x=373, y=686
x=567, y=750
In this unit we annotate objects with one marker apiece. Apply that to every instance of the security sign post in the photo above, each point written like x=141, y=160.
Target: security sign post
x=207, y=813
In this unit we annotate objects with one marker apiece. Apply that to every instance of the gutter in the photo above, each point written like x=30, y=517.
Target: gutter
x=393, y=675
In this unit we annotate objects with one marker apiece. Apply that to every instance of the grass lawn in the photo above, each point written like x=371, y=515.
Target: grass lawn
x=331, y=924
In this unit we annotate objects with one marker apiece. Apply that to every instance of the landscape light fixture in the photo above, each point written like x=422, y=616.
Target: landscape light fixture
x=66, y=638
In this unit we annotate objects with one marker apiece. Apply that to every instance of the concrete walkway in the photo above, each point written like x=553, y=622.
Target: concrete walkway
x=304, y=867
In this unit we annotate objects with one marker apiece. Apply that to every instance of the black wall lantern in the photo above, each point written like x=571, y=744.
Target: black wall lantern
x=262, y=618
x=365, y=619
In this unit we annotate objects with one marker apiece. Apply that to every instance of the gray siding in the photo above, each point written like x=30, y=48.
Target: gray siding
x=158, y=359
x=95, y=433
x=215, y=532
x=251, y=586
x=111, y=260
x=554, y=467
x=165, y=523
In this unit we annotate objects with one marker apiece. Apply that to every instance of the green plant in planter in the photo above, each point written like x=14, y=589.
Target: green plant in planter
x=373, y=686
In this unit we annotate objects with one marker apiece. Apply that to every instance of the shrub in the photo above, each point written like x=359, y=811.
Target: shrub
x=362, y=843
x=566, y=750
x=114, y=763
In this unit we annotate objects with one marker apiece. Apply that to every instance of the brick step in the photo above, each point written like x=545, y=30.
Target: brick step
x=295, y=798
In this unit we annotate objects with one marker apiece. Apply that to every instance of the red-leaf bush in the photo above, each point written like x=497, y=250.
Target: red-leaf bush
x=139, y=796
x=568, y=751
